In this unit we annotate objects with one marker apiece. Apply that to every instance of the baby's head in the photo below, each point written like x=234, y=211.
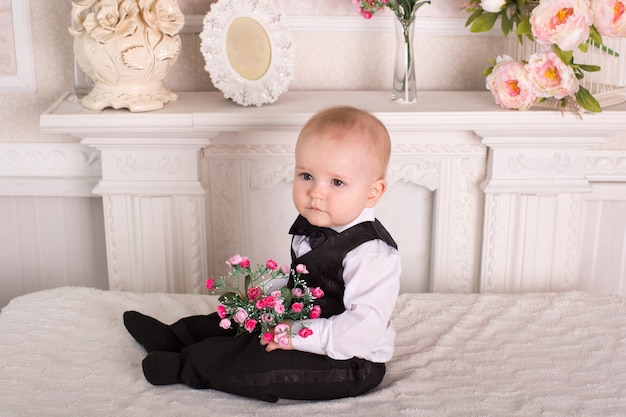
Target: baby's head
x=342, y=155
x=358, y=129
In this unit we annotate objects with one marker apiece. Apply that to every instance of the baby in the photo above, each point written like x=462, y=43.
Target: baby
x=341, y=156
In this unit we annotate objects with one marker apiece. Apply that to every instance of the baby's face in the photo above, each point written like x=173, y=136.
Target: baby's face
x=333, y=181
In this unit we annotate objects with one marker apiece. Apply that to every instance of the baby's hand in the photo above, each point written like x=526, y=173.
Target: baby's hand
x=281, y=337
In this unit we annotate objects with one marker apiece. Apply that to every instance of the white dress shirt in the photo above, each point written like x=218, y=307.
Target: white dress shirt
x=371, y=273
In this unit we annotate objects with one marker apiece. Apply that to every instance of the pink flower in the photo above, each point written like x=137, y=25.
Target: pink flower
x=271, y=264
x=317, y=292
x=609, y=17
x=209, y=283
x=225, y=323
x=296, y=292
x=301, y=269
x=279, y=308
x=221, y=311
x=250, y=325
x=267, y=318
x=509, y=86
x=284, y=269
x=235, y=260
x=240, y=316
x=550, y=77
x=282, y=339
x=268, y=337
x=245, y=262
x=316, y=312
x=562, y=22
x=254, y=293
x=305, y=332
x=297, y=307
x=277, y=295
x=281, y=328
x=270, y=301
x=260, y=303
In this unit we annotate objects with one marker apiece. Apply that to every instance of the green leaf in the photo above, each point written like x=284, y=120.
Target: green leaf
x=473, y=17
x=506, y=24
x=286, y=294
x=484, y=22
x=523, y=27
x=595, y=35
x=589, y=68
x=587, y=101
x=565, y=56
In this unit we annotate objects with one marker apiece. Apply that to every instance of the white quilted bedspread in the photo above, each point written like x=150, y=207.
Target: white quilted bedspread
x=65, y=352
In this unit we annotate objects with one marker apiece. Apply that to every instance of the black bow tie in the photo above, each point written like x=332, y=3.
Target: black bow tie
x=317, y=235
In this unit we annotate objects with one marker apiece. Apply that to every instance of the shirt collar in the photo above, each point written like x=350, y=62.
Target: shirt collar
x=367, y=215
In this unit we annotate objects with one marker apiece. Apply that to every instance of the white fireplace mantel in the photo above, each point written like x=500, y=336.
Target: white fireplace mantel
x=185, y=186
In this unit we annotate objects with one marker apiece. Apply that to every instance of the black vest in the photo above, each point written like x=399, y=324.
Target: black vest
x=324, y=263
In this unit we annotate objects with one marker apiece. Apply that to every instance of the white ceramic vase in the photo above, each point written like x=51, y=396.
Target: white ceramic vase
x=126, y=47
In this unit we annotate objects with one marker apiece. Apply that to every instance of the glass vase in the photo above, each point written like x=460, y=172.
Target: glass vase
x=404, y=89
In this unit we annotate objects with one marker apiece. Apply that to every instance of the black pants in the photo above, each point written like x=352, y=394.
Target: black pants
x=215, y=358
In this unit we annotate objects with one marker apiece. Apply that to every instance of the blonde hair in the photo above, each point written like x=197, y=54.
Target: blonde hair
x=351, y=123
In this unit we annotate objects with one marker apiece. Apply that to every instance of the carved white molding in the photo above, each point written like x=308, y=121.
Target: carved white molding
x=606, y=165
x=55, y=169
x=356, y=24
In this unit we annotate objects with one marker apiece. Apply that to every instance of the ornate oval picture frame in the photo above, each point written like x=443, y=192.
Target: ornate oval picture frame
x=248, y=51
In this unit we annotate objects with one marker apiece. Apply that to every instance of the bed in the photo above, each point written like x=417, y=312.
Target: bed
x=65, y=352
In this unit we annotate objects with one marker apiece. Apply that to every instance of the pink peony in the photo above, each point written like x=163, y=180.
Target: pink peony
x=508, y=84
x=562, y=22
x=221, y=311
x=550, y=77
x=609, y=17
x=297, y=307
x=279, y=308
x=225, y=323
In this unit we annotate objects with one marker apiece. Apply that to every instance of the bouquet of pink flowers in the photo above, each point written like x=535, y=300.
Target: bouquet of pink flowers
x=563, y=25
x=259, y=300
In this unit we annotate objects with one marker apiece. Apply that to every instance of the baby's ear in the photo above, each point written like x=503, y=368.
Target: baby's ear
x=377, y=189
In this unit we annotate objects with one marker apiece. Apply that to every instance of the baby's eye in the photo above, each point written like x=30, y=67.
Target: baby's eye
x=306, y=177
x=337, y=183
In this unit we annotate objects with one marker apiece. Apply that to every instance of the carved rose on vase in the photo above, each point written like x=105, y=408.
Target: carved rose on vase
x=112, y=19
x=164, y=14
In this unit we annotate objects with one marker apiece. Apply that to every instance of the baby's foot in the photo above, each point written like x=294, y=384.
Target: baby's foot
x=162, y=368
x=151, y=333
